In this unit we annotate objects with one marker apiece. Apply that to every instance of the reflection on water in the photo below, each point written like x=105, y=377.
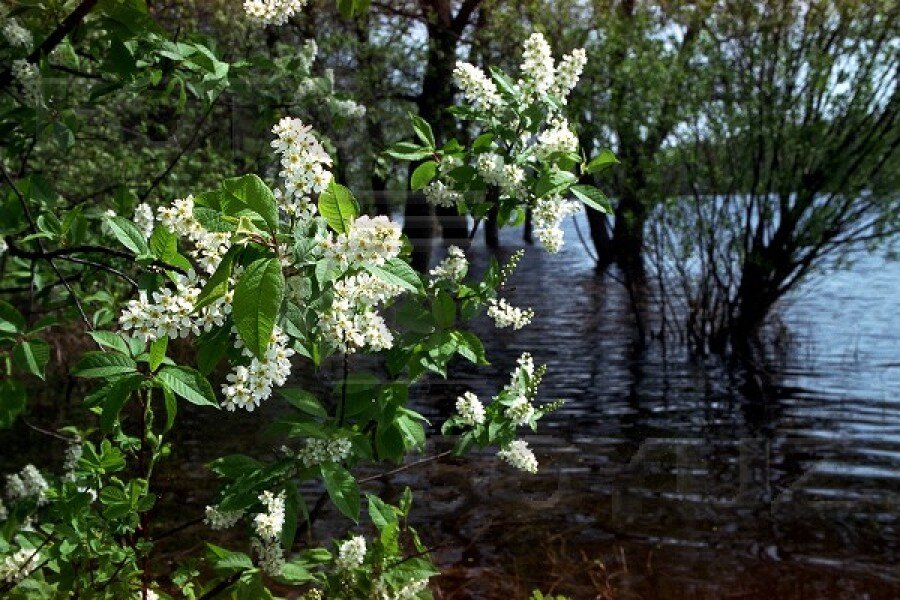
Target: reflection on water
x=658, y=477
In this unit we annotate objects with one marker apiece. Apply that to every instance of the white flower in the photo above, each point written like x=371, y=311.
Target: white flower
x=27, y=484
x=4, y=513
x=568, y=72
x=143, y=219
x=269, y=556
x=520, y=411
x=349, y=109
x=18, y=565
x=440, y=195
x=374, y=240
x=318, y=451
x=520, y=456
x=557, y=138
x=304, y=166
x=3, y=246
x=453, y=267
x=506, y=315
x=477, y=88
x=17, y=35
x=547, y=214
x=470, y=409
x=351, y=553
x=29, y=78
x=247, y=386
x=537, y=67
x=272, y=12
x=72, y=456
x=221, y=519
x=268, y=525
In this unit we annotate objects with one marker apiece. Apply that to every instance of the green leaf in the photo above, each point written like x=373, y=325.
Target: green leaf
x=305, y=401
x=250, y=191
x=110, y=339
x=234, y=466
x=257, y=299
x=504, y=83
x=171, y=407
x=423, y=175
x=217, y=285
x=380, y=512
x=390, y=273
x=342, y=489
x=338, y=207
x=104, y=364
x=189, y=384
x=11, y=320
x=601, y=162
x=158, y=352
x=408, y=151
x=32, y=356
x=593, y=197
x=553, y=182
x=12, y=401
x=483, y=142
x=128, y=235
x=444, y=310
x=423, y=130
x=470, y=347
x=116, y=398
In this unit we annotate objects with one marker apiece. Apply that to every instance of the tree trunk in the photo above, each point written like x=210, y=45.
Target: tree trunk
x=492, y=229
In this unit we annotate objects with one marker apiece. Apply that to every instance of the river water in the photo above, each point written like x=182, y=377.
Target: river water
x=660, y=477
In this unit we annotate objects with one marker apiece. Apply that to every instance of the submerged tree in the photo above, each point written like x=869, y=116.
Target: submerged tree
x=789, y=168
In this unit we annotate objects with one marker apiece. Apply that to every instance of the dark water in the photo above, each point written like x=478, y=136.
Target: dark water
x=659, y=478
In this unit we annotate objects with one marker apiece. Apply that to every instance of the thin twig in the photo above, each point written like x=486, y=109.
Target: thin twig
x=406, y=467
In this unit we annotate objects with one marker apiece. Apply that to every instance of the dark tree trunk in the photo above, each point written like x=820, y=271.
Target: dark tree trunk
x=379, y=195
x=444, y=31
x=528, y=229
x=492, y=228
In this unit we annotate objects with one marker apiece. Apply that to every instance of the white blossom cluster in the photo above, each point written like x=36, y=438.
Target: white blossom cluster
x=27, y=484
x=17, y=566
x=3, y=246
x=547, y=215
x=568, y=71
x=520, y=411
x=351, y=553
x=268, y=526
x=373, y=240
x=73, y=454
x=304, y=166
x=470, y=409
x=29, y=78
x=352, y=321
x=209, y=246
x=247, y=386
x=171, y=313
x=318, y=451
x=143, y=219
x=349, y=109
x=509, y=178
x=505, y=314
x=537, y=67
x=558, y=137
x=16, y=35
x=477, y=88
x=519, y=455
x=272, y=12
x=452, y=268
x=221, y=519
x=439, y=194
